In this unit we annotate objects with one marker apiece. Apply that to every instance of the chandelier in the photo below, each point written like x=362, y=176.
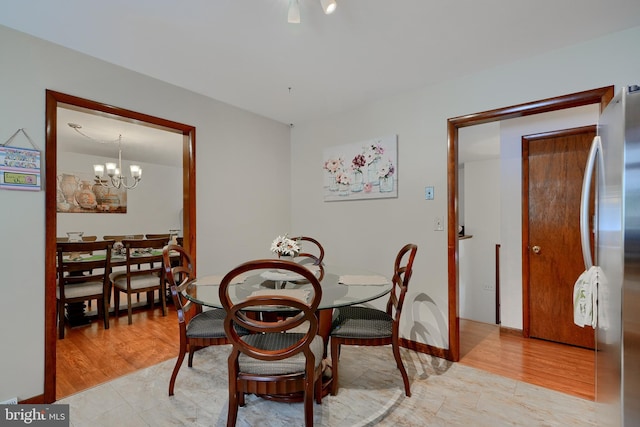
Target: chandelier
x=328, y=6
x=114, y=172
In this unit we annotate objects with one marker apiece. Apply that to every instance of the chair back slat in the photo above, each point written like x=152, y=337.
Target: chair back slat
x=74, y=268
x=140, y=251
x=121, y=237
x=402, y=271
x=178, y=273
x=301, y=312
x=318, y=258
x=166, y=236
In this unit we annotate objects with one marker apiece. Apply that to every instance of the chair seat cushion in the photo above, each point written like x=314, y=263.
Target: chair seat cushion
x=210, y=324
x=274, y=341
x=80, y=290
x=138, y=281
x=362, y=322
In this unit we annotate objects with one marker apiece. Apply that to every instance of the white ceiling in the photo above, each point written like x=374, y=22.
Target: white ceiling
x=102, y=134
x=243, y=52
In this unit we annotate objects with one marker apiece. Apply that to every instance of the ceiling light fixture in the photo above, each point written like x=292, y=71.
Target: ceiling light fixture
x=328, y=6
x=115, y=172
x=294, y=12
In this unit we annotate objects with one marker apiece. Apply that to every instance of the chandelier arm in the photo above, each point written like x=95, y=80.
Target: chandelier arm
x=99, y=179
x=118, y=180
x=131, y=187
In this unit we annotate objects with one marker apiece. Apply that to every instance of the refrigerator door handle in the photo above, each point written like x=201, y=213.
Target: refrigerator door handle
x=596, y=146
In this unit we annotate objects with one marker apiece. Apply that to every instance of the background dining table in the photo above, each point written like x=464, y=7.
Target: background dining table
x=76, y=312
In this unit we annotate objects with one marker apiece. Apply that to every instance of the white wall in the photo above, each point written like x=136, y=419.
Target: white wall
x=482, y=221
x=370, y=232
x=243, y=198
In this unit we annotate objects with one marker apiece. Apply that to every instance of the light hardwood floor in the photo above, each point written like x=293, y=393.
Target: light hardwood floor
x=90, y=355
x=555, y=366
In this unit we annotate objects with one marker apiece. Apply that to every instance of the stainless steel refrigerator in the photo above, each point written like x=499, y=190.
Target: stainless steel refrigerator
x=615, y=161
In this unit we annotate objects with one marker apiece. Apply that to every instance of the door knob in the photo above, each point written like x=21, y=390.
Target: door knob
x=536, y=249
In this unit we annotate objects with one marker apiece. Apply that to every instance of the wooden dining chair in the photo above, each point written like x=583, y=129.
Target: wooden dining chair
x=198, y=328
x=82, y=280
x=84, y=239
x=273, y=360
x=158, y=236
x=119, y=238
x=367, y=326
x=315, y=257
x=133, y=280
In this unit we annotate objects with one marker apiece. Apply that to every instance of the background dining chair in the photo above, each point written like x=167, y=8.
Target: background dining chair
x=133, y=280
x=314, y=256
x=367, y=326
x=82, y=280
x=84, y=239
x=118, y=238
x=198, y=328
x=158, y=236
x=273, y=359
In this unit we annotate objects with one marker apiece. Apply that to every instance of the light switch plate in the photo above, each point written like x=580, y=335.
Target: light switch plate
x=428, y=193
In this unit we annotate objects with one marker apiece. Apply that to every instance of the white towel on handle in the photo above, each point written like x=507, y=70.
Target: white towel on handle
x=585, y=297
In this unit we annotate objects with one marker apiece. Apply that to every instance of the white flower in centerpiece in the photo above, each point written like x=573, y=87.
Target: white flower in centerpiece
x=283, y=245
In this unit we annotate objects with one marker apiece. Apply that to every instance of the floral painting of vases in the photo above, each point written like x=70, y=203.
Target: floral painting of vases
x=362, y=170
x=79, y=194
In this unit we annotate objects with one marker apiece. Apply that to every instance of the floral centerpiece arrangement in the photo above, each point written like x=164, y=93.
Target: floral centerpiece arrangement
x=283, y=245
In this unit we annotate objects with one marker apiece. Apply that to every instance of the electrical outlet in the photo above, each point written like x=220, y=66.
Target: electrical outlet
x=438, y=224
x=489, y=287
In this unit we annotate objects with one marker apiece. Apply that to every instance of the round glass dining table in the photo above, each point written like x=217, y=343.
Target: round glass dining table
x=341, y=286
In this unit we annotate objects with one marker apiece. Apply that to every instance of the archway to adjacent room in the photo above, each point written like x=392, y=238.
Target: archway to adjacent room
x=54, y=100
x=601, y=95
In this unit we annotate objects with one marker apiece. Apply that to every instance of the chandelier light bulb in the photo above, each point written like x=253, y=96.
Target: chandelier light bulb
x=114, y=172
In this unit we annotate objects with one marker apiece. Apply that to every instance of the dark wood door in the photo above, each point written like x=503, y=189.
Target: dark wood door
x=553, y=166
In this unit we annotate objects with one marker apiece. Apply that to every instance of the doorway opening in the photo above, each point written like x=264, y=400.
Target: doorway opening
x=53, y=101
x=601, y=95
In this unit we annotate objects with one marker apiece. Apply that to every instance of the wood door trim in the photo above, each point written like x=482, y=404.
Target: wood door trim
x=526, y=286
x=600, y=95
x=53, y=100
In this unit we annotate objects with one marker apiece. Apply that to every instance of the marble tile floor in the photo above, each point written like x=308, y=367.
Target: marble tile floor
x=371, y=393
